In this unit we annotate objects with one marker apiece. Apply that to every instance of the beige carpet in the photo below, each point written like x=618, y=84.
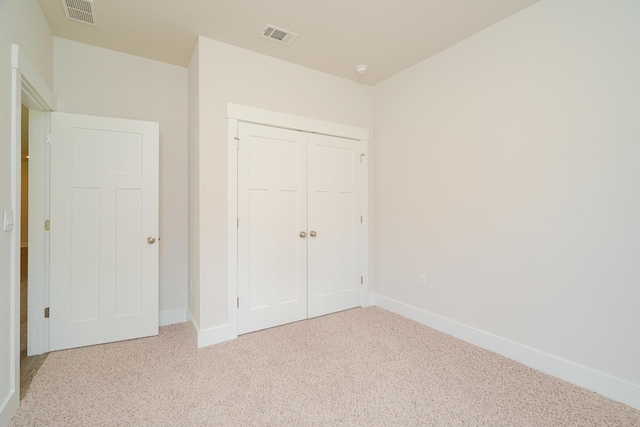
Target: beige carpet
x=361, y=367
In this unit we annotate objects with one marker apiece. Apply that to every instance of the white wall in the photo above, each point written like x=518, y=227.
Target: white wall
x=21, y=22
x=101, y=82
x=194, y=186
x=229, y=74
x=507, y=171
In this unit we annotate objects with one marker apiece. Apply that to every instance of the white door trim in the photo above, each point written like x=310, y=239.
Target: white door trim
x=239, y=113
x=26, y=86
x=288, y=121
x=36, y=95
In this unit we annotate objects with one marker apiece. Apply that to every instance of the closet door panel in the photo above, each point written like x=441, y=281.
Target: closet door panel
x=272, y=211
x=334, y=225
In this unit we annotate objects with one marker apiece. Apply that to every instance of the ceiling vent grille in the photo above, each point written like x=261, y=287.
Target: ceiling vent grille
x=278, y=34
x=79, y=10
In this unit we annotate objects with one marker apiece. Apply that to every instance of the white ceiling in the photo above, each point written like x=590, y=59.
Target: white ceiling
x=334, y=35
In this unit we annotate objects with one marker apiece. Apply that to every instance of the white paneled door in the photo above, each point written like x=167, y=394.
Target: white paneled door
x=272, y=213
x=299, y=228
x=334, y=225
x=103, y=230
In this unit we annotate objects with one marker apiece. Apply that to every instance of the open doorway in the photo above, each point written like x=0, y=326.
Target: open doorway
x=29, y=365
x=28, y=89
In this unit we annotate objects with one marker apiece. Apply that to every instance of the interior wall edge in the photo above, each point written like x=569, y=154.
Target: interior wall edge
x=210, y=336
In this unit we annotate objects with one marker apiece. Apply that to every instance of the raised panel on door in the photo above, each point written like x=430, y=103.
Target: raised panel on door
x=272, y=211
x=334, y=217
x=104, y=206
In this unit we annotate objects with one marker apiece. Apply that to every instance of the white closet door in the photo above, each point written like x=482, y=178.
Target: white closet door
x=272, y=212
x=104, y=227
x=334, y=225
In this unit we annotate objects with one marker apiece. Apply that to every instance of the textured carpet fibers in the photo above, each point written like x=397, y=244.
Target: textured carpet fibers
x=361, y=367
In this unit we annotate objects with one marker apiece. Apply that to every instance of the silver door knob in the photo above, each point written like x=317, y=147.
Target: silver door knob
x=303, y=234
x=151, y=240
x=313, y=234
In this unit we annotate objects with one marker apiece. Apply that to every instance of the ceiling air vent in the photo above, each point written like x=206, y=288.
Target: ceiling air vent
x=277, y=34
x=79, y=10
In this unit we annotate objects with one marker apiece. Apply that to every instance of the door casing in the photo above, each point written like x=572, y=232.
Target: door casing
x=239, y=113
x=28, y=88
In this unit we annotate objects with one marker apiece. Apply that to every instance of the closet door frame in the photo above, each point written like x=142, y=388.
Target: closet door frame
x=239, y=113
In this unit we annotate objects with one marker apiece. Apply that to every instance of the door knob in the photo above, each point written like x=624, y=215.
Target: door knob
x=313, y=234
x=151, y=240
x=303, y=234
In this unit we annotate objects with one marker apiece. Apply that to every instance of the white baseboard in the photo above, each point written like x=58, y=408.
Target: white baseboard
x=170, y=317
x=8, y=408
x=215, y=335
x=212, y=336
x=581, y=376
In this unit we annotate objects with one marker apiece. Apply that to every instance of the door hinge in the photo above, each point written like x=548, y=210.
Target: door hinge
x=47, y=138
x=237, y=222
x=46, y=312
x=361, y=158
x=362, y=280
x=238, y=302
x=237, y=142
x=47, y=225
x=361, y=219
